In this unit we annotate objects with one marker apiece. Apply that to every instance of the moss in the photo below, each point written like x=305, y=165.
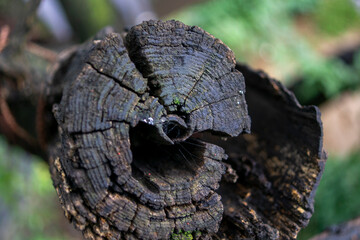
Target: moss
x=176, y=101
x=183, y=235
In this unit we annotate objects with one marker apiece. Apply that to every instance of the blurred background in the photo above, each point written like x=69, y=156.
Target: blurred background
x=312, y=46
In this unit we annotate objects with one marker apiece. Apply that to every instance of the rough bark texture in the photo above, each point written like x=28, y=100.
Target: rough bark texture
x=140, y=150
x=279, y=164
x=127, y=158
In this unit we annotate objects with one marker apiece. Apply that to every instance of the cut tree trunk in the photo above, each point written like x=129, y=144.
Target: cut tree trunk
x=153, y=140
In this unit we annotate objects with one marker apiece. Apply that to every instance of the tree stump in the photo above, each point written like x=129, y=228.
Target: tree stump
x=153, y=140
x=129, y=160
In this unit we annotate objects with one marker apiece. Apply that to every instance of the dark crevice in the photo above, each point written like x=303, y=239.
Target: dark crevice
x=173, y=130
x=88, y=132
x=152, y=159
x=193, y=87
x=154, y=89
x=113, y=78
x=208, y=104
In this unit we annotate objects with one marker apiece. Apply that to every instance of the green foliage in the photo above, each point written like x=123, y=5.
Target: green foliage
x=176, y=101
x=27, y=197
x=327, y=78
x=338, y=194
x=301, y=6
x=182, y=235
x=336, y=16
x=100, y=13
x=88, y=17
x=236, y=22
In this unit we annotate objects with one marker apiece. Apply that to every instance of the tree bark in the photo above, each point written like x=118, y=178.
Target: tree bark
x=279, y=164
x=137, y=148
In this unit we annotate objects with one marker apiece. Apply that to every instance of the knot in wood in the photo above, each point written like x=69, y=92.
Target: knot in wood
x=128, y=156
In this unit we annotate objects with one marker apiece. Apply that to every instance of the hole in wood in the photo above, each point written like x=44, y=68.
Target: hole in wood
x=174, y=131
x=154, y=161
x=175, y=128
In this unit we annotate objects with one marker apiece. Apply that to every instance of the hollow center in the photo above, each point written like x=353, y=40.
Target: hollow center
x=173, y=130
x=155, y=164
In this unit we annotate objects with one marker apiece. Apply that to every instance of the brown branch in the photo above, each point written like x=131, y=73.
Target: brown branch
x=42, y=52
x=4, y=36
x=8, y=121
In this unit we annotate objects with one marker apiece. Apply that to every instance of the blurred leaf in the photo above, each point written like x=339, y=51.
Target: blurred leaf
x=27, y=196
x=336, y=16
x=88, y=17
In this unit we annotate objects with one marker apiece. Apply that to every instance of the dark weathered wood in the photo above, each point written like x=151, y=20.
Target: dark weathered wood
x=138, y=149
x=345, y=231
x=126, y=116
x=279, y=164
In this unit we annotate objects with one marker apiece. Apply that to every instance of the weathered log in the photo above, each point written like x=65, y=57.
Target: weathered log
x=279, y=164
x=129, y=159
x=140, y=152
x=126, y=117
